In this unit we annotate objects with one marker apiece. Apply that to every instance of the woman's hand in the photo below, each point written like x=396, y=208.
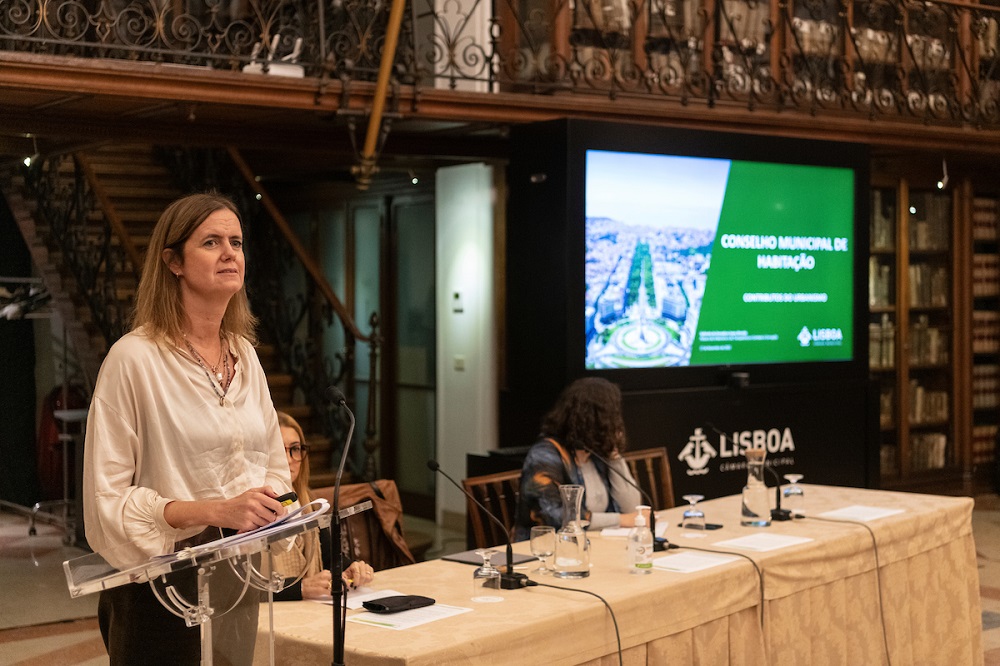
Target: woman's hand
x=317, y=586
x=252, y=509
x=358, y=574
x=249, y=510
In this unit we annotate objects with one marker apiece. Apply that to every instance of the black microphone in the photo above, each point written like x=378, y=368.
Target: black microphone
x=336, y=397
x=777, y=513
x=659, y=543
x=509, y=580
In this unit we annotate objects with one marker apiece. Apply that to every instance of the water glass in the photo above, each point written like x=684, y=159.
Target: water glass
x=543, y=546
x=693, y=518
x=486, y=580
x=793, y=498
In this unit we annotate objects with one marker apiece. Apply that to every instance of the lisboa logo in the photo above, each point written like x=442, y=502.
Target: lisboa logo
x=697, y=453
x=820, y=337
x=805, y=337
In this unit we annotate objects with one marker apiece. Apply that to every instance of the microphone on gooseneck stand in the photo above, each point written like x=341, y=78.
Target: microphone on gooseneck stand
x=659, y=543
x=509, y=580
x=337, y=399
x=777, y=513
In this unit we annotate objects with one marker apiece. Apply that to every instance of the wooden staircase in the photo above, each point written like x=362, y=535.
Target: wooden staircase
x=132, y=188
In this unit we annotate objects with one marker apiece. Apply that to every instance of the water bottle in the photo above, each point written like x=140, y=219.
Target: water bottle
x=640, y=544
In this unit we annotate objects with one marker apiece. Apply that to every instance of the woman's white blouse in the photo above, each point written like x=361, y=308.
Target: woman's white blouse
x=157, y=433
x=624, y=494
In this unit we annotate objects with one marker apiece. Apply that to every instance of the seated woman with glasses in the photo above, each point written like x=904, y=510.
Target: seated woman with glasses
x=311, y=551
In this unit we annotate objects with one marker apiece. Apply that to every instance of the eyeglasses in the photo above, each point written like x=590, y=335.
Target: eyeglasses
x=297, y=452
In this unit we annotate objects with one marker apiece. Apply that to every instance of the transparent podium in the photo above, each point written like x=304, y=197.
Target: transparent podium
x=223, y=581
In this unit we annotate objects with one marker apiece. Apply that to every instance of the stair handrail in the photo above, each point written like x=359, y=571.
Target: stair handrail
x=110, y=213
x=310, y=265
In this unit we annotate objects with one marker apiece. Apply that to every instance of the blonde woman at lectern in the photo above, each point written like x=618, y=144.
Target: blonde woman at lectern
x=182, y=437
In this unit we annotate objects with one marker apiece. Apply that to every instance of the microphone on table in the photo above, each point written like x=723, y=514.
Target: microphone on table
x=509, y=580
x=777, y=513
x=659, y=543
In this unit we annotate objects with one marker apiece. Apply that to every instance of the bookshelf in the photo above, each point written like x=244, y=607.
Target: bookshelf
x=984, y=352
x=912, y=342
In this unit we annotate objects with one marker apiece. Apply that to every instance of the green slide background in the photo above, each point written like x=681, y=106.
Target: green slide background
x=811, y=201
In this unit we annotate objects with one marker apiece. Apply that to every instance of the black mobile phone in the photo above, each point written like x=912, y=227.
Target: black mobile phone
x=708, y=526
x=287, y=498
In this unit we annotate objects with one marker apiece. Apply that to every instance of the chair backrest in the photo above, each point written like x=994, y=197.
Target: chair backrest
x=498, y=493
x=651, y=469
x=376, y=535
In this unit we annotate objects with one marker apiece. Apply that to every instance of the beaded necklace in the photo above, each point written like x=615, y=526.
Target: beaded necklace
x=223, y=377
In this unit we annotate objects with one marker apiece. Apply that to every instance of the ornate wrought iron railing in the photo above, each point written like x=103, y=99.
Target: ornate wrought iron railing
x=83, y=236
x=934, y=61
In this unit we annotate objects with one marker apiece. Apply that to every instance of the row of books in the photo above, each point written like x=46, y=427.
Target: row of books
x=928, y=450
x=930, y=222
x=985, y=331
x=928, y=285
x=928, y=344
x=882, y=343
x=985, y=214
x=879, y=283
x=985, y=275
x=985, y=386
x=927, y=405
x=984, y=441
x=883, y=222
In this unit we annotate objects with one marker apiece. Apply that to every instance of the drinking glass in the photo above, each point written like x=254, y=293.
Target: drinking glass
x=486, y=579
x=693, y=518
x=794, y=498
x=543, y=546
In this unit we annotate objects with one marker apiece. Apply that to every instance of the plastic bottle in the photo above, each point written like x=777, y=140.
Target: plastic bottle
x=640, y=544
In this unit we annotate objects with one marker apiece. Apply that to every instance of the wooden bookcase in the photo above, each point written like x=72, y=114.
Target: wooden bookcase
x=934, y=331
x=912, y=302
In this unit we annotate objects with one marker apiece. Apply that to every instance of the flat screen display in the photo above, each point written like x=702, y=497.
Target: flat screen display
x=695, y=261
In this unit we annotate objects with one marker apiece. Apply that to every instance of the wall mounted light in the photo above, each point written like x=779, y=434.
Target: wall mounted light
x=943, y=183
x=413, y=177
x=28, y=161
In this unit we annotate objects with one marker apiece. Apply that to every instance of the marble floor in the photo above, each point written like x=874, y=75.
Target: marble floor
x=40, y=625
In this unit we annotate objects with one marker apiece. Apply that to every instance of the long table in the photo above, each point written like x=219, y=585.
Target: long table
x=824, y=602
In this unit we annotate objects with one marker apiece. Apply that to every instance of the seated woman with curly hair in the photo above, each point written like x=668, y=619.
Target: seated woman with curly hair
x=587, y=415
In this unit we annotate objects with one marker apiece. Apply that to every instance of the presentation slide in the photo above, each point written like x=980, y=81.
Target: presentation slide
x=697, y=261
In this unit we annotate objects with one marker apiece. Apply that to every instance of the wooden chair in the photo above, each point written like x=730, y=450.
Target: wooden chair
x=651, y=469
x=499, y=493
x=376, y=535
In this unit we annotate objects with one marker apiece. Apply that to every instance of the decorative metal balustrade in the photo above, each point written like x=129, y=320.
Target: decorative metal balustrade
x=934, y=61
x=79, y=231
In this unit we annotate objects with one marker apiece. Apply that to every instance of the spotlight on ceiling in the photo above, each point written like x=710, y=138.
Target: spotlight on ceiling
x=413, y=177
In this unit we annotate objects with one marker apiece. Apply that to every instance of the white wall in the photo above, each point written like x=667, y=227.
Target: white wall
x=466, y=398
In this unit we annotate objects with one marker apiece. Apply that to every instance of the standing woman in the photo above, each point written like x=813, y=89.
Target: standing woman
x=182, y=436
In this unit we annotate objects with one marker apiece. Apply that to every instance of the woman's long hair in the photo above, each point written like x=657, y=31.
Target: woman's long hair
x=300, y=484
x=588, y=414
x=158, y=304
